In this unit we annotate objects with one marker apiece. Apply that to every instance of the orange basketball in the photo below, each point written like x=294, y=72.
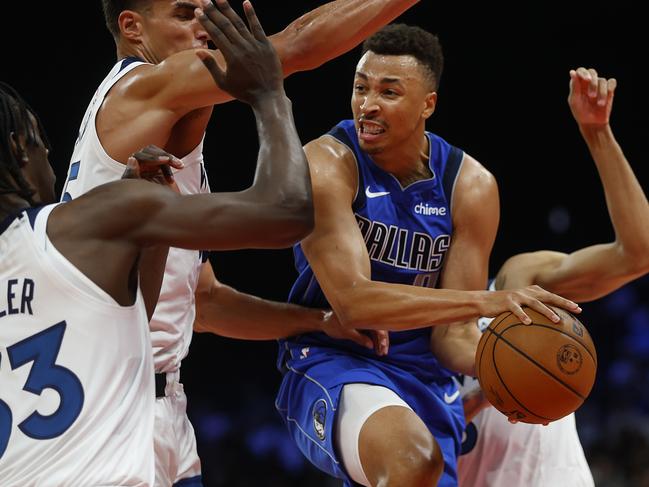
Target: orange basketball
x=539, y=372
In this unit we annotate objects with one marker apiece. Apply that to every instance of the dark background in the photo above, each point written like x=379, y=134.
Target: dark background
x=502, y=99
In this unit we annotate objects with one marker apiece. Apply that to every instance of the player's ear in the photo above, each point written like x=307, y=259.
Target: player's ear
x=429, y=104
x=18, y=148
x=130, y=24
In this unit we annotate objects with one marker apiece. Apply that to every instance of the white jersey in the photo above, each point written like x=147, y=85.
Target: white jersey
x=532, y=455
x=77, y=390
x=173, y=320
x=498, y=453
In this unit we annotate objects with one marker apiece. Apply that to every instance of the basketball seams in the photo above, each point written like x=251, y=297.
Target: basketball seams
x=540, y=366
x=495, y=364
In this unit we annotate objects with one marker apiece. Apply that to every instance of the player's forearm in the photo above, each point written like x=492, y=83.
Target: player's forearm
x=455, y=345
x=627, y=204
x=333, y=29
x=282, y=179
x=228, y=312
x=386, y=306
x=473, y=403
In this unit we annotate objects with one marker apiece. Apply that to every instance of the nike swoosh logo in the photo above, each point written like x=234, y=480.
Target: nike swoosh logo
x=370, y=194
x=451, y=399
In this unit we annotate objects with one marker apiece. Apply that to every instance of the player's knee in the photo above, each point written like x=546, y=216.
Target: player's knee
x=419, y=464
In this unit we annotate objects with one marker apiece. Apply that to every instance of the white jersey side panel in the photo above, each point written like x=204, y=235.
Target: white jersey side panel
x=91, y=166
x=532, y=455
x=77, y=394
x=521, y=454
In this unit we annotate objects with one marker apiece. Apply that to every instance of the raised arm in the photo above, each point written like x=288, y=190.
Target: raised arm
x=338, y=256
x=594, y=271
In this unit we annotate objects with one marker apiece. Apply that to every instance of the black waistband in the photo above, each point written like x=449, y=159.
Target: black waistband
x=160, y=384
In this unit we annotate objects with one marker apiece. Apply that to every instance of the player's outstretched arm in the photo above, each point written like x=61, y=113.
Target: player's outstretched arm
x=594, y=271
x=225, y=311
x=333, y=29
x=180, y=84
x=338, y=256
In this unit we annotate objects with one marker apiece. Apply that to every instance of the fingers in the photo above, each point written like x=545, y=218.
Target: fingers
x=168, y=174
x=611, y=84
x=225, y=8
x=575, y=84
x=360, y=338
x=596, y=87
x=210, y=63
x=381, y=340
x=520, y=314
x=255, y=26
x=592, y=83
x=214, y=23
x=544, y=310
x=132, y=169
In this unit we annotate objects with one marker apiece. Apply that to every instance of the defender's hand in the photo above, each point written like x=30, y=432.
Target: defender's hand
x=253, y=67
x=333, y=328
x=591, y=97
x=153, y=164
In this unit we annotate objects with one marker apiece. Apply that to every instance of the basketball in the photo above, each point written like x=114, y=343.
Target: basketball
x=536, y=373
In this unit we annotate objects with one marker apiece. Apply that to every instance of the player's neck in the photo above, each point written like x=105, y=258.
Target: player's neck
x=409, y=162
x=125, y=51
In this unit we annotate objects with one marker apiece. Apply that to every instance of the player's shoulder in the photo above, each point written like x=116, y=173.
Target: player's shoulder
x=329, y=156
x=476, y=188
x=474, y=175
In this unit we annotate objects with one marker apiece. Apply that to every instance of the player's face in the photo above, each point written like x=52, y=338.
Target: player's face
x=169, y=26
x=391, y=101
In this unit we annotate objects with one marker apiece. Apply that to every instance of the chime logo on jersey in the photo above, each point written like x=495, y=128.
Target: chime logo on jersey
x=403, y=248
x=424, y=209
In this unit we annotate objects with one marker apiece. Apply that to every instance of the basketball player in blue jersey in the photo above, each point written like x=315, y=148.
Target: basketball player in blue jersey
x=399, y=214
x=159, y=93
x=76, y=369
x=497, y=452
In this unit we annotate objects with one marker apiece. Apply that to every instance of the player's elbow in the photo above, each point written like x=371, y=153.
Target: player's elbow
x=295, y=219
x=298, y=52
x=351, y=314
x=635, y=258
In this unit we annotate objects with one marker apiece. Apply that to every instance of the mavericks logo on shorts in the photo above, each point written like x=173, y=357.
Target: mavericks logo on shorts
x=319, y=418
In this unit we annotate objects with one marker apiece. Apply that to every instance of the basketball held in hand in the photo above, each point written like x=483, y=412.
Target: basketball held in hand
x=536, y=373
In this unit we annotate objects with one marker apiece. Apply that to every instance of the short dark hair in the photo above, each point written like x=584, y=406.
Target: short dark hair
x=112, y=9
x=402, y=39
x=15, y=117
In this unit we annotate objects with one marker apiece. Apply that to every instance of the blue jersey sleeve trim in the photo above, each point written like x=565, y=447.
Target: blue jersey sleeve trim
x=130, y=60
x=453, y=164
x=4, y=224
x=32, y=213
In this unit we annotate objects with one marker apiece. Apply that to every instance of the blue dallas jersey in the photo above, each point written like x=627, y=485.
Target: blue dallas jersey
x=407, y=232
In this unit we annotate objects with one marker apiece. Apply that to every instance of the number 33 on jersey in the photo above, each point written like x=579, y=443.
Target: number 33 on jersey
x=76, y=372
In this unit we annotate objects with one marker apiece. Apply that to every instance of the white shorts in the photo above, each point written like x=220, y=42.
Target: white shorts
x=532, y=455
x=176, y=457
x=357, y=403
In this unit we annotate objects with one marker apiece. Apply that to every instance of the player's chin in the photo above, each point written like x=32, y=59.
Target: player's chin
x=371, y=148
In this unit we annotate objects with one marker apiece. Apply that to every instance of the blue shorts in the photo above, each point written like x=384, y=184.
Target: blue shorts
x=308, y=399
